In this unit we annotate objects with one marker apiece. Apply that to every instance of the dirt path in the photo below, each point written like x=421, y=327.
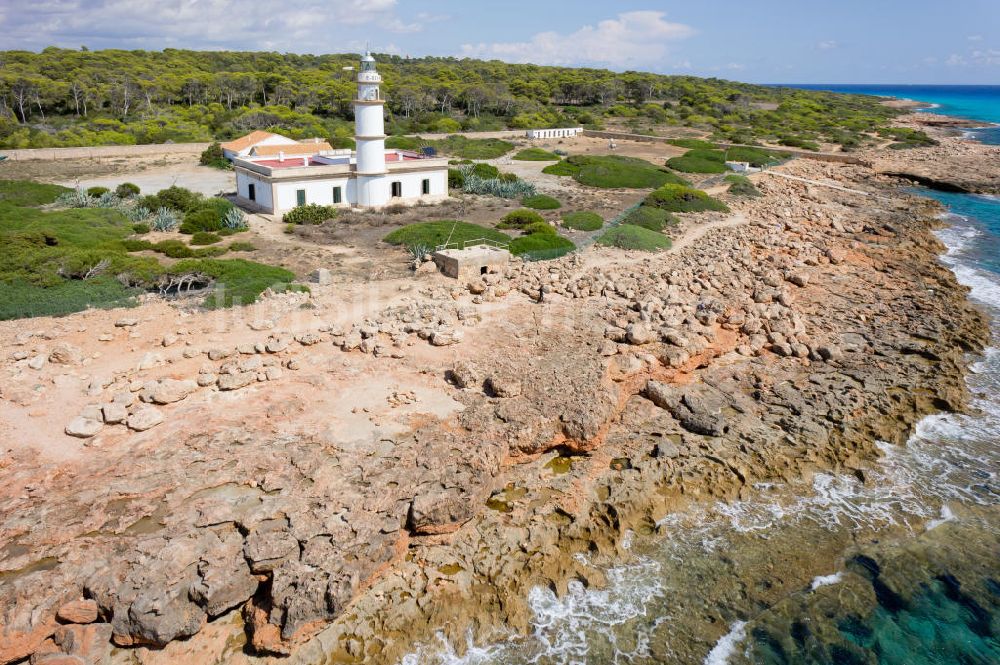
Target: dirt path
x=819, y=183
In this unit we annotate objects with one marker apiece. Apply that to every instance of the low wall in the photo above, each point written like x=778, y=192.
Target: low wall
x=838, y=157
x=97, y=152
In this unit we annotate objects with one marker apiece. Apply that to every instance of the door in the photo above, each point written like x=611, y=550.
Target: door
x=425, y=187
x=300, y=197
x=397, y=190
x=338, y=196
x=252, y=192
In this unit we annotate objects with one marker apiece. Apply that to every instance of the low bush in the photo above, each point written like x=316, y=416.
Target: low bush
x=97, y=192
x=628, y=236
x=798, y=142
x=541, y=246
x=175, y=198
x=907, y=138
x=653, y=219
x=205, y=238
x=536, y=155
x=141, y=228
x=456, y=179
x=693, y=144
x=126, y=190
x=213, y=156
x=202, y=219
x=741, y=186
x=540, y=202
x=165, y=219
x=678, y=198
x=310, y=214
x=237, y=282
x=539, y=227
x=754, y=156
x=699, y=161
x=437, y=233
x=234, y=220
x=582, y=221
x=519, y=219
x=240, y=246
x=485, y=171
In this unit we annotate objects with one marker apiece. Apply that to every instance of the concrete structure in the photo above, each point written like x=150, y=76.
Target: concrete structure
x=277, y=178
x=243, y=146
x=565, y=132
x=471, y=262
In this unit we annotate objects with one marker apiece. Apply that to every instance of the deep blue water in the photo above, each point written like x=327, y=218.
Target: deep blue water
x=975, y=102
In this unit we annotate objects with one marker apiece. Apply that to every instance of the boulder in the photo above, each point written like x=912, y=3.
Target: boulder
x=167, y=391
x=504, y=385
x=236, y=381
x=639, y=334
x=126, y=322
x=465, y=375
x=144, y=418
x=78, y=611
x=83, y=428
x=114, y=413
x=65, y=354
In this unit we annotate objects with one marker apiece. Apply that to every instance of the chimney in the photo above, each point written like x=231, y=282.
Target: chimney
x=305, y=161
x=281, y=155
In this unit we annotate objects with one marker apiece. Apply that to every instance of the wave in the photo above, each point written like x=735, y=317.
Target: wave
x=825, y=580
x=726, y=646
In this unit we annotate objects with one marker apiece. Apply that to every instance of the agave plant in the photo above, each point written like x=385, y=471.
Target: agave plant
x=419, y=252
x=506, y=189
x=108, y=200
x=78, y=198
x=165, y=219
x=234, y=219
x=135, y=214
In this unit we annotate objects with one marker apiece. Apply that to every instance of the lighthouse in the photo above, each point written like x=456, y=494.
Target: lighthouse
x=369, y=130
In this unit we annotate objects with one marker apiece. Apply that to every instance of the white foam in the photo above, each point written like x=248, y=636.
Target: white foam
x=946, y=516
x=984, y=285
x=825, y=580
x=727, y=644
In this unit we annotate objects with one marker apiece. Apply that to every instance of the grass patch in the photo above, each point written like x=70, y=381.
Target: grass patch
x=540, y=202
x=62, y=261
x=614, y=172
x=434, y=234
x=241, y=246
x=629, y=236
x=907, y=138
x=237, y=282
x=653, y=219
x=24, y=193
x=205, y=238
x=582, y=221
x=536, y=155
x=754, y=156
x=742, y=186
x=678, y=198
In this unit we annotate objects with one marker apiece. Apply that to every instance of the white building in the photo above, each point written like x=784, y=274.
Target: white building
x=371, y=177
x=564, y=132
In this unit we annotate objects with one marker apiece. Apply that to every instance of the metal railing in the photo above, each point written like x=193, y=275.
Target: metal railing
x=464, y=244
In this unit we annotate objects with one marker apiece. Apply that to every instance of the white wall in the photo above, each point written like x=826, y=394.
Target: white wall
x=262, y=189
x=319, y=192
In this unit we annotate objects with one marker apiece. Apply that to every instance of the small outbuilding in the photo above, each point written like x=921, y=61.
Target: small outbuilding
x=471, y=262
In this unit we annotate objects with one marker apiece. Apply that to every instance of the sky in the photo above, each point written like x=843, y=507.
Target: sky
x=760, y=41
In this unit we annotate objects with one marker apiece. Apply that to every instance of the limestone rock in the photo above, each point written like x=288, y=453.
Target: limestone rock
x=639, y=334
x=83, y=428
x=167, y=391
x=65, y=354
x=78, y=611
x=144, y=418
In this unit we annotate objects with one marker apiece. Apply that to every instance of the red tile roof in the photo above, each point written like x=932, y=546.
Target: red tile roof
x=244, y=142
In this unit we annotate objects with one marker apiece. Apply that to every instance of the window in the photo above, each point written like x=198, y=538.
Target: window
x=425, y=186
x=397, y=190
x=300, y=197
x=338, y=196
x=252, y=192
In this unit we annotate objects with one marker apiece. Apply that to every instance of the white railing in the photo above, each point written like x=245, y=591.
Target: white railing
x=465, y=244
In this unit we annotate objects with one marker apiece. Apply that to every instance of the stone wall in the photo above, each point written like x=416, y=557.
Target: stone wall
x=95, y=152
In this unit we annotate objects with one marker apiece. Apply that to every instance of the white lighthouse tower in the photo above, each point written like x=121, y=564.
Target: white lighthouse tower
x=369, y=130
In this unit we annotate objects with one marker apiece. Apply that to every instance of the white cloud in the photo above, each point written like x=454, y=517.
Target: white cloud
x=975, y=38
x=292, y=25
x=955, y=60
x=827, y=45
x=633, y=39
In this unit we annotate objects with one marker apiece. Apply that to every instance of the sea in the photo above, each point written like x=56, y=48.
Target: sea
x=899, y=567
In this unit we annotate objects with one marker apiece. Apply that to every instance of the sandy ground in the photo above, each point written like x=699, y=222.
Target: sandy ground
x=202, y=179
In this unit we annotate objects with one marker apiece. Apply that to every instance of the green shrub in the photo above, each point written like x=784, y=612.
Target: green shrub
x=907, y=138
x=519, y=219
x=175, y=249
x=456, y=179
x=628, y=236
x=653, y=219
x=485, y=171
x=175, y=198
x=141, y=228
x=754, y=156
x=202, y=219
x=241, y=246
x=310, y=214
x=165, y=219
x=536, y=155
x=613, y=171
x=539, y=246
x=136, y=244
x=234, y=220
x=126, y=190
x=540, y=202
x=693, y=144
x=97, y=192
x=699, y=161
x=678, y=198
x=21, y=299
x=435, y=234
x=742, y=186
x=798, y=142
x=539, y=227
x=467, y=148
x=237, y=282
x=205, y=238
x=582, y=221
x=213, y=156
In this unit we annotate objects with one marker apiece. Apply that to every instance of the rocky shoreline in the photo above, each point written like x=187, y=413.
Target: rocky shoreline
x=576, y=400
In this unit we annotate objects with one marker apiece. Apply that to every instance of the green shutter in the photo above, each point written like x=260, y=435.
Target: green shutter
x=300, y=197
x=337, y=197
